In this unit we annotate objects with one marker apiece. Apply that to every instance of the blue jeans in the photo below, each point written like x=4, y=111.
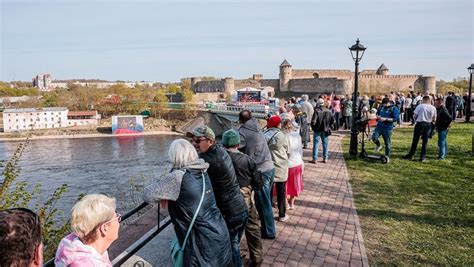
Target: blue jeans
x=236, y=226
x=263, y=202
x=443, y=143
x=316, y=137
x=387, y=139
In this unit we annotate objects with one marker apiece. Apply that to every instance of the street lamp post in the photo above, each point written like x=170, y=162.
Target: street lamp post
x=469, y=96
x=357, y=51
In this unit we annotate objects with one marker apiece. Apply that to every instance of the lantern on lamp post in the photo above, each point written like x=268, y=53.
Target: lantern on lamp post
x=469, y=96
x=357, y=51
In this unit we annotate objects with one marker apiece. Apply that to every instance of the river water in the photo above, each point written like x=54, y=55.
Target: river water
x=117, y=166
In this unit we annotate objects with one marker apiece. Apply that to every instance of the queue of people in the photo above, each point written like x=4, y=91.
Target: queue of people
x=217, y=192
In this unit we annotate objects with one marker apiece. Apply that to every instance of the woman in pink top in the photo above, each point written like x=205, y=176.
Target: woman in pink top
x=95, y=225
x=336, y=110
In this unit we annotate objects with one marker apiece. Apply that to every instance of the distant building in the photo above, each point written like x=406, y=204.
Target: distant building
x=15, y=101
x=318, y=81
x=43, y=82
x=82, y=118
x=23, y=119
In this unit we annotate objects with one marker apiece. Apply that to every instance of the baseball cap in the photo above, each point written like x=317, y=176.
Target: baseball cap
x=202, y=131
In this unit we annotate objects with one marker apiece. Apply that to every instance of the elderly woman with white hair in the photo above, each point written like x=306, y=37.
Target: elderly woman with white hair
x=95, y=225
x=187, y=191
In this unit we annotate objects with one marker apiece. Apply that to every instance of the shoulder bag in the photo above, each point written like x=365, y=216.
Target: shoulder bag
x=177, y=251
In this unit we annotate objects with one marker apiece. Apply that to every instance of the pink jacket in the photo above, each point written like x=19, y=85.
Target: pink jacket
x=336, y=105
x=73, y=253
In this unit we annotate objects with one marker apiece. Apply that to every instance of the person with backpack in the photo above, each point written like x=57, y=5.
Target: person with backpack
x=387, y=115
x=443, y=122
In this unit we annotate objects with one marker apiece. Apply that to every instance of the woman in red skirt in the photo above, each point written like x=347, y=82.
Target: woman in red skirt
x=294, y=184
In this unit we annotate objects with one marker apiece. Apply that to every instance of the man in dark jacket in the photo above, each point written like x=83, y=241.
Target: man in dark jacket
x=224, y=182
x=321, y=124
x=254, y=144
x=443, y=122
x=250, y=179
x=451, y=104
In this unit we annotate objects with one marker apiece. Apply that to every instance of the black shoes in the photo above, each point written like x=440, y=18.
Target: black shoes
x=407, y=156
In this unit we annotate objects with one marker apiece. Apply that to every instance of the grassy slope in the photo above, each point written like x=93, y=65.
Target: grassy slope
x=418, y=213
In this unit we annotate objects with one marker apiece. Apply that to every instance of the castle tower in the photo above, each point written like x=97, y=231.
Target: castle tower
x=228, y=86
x=194, y=81
x=429, y=84
x=285, y=76
x=382, y=70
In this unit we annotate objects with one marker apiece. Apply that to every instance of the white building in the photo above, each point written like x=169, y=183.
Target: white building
x=30, y=118
x=83, y=118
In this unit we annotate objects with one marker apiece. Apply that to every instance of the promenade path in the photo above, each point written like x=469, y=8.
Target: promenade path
x=323, y=230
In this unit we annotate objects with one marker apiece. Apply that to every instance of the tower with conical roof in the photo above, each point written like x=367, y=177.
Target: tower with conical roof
x=285, y=76
x=382, y=70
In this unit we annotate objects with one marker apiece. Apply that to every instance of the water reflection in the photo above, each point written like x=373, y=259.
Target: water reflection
x=92, y=165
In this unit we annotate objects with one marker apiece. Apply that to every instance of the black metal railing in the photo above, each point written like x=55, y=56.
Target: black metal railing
x=122, y=258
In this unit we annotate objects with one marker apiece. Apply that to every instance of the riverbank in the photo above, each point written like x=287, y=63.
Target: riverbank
x=152, y=127
x=85, y=135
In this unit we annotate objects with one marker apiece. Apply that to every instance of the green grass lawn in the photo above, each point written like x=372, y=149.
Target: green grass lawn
x=415, y=213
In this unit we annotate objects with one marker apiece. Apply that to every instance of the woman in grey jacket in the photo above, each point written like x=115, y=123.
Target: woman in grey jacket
x=280, y=150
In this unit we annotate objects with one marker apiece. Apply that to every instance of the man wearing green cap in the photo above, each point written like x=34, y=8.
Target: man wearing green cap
x=224, y=182
x=250, y=179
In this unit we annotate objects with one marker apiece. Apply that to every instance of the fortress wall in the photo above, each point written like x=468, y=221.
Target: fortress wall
x=319, y=86
x=275, y=83
x=383, y=84
x=323, y=73
x=209, y=86
x=239, y=84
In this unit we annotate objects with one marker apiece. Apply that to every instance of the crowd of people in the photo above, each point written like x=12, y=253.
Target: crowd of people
x=216, y=192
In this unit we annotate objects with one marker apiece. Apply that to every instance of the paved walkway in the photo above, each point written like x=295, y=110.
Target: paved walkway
x=324, y=228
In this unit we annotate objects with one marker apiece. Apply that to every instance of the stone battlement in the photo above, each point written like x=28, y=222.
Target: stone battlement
x=321, y=70
x=401, y=76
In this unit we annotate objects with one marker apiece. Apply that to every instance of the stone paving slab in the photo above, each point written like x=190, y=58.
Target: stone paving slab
x=324, y=228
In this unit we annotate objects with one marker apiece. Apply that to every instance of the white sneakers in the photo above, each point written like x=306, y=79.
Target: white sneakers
x=378, y=148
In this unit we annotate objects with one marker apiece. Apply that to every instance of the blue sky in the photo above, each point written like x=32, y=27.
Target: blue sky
x=166, y=40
